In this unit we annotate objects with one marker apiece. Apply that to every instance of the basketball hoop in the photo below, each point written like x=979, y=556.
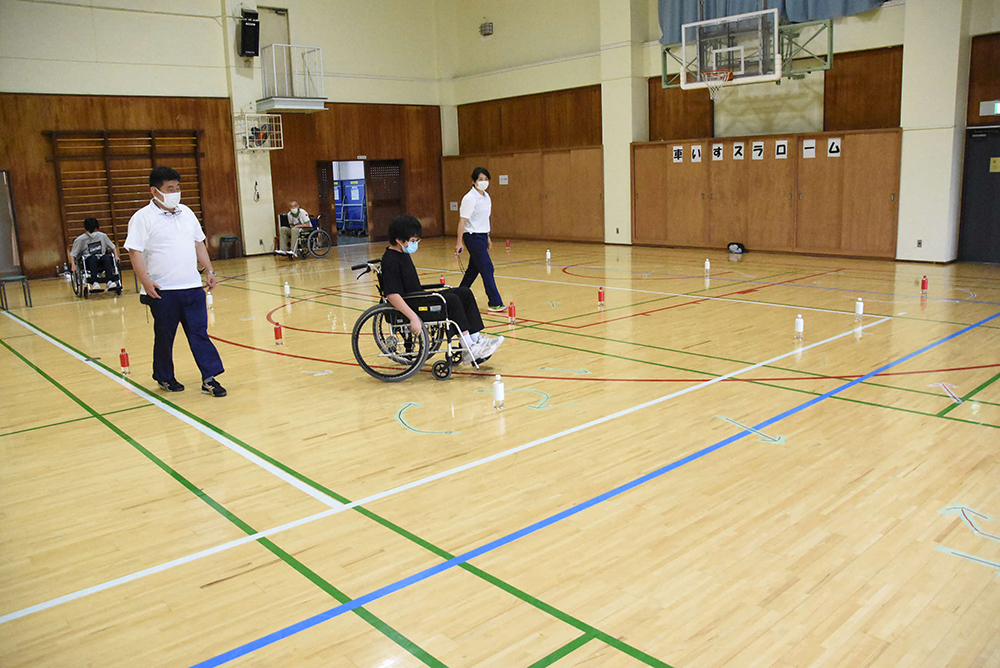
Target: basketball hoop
x=716, y=79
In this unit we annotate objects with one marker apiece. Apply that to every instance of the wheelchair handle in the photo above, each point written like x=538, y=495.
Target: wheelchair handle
x=368, y=264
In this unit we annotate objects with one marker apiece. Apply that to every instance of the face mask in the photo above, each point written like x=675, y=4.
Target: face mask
x=410, y=247
x=295, y=212
x=483, y=185
x=170, y=200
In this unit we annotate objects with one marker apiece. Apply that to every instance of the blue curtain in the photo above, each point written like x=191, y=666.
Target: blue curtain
x=675, y=13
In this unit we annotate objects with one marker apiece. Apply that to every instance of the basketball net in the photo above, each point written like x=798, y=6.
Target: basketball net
x=716, y=79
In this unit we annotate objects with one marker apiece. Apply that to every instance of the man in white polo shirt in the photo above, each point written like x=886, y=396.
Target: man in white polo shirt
x=165, y=243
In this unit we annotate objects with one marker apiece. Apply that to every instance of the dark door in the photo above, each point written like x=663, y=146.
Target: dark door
x=386, y=195
x=979, y=233
x=326, y=218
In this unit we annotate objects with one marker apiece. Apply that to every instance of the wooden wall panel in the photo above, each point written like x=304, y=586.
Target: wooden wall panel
x=456, y=181
x=556, y=195
x=675, y=113
x=479, y=127
x=573, y=117
x=984, y=77
x=558, y=208
x=849, y=204
x=517, y=210
x=410, y=133
x=687, y=205
x=819, y=200
x=771, y=202
x=863, y=90
x=587, y=189
x=649, y=188
x=871, y=167
x=23, y=151
x=557, y=119
x=728, y=196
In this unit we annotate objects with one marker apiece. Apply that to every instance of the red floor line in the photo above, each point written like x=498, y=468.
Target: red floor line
x=666, y=308
x=618, y=380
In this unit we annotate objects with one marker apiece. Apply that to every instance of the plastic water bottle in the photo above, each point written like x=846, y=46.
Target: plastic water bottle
x=923, y=285
x=210, y=301
x=548, y=256
x=859, y=310
x=442, y=279
x=277, y=334
x=498, y=393
x=600, y=297
x=708, y=266
x=123, y=358
x=800, y=327
x=510, y=314
x=508, y=245
x=288, y=290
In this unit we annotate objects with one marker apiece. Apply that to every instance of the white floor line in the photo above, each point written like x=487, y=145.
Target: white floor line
x=211, y=433
x=408, y=486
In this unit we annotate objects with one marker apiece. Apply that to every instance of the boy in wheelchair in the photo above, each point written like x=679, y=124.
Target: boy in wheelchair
x=399, y=278
x=96, y=255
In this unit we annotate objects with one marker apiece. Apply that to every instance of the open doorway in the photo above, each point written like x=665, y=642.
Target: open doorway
x=363, y=197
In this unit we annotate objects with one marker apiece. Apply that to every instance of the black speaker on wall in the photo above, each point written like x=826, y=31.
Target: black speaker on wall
x=249, y=34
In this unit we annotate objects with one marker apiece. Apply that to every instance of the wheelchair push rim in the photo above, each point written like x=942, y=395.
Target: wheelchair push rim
x=385, y=347
x=319, y=243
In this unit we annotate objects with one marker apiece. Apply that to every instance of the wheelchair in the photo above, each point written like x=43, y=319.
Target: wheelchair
x=388, y=350
x=82, y=278
x=315, y=242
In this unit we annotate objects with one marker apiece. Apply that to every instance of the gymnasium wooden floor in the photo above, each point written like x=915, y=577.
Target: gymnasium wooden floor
x=616, y=512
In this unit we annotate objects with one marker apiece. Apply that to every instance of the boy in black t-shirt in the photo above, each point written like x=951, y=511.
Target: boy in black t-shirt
x=399, y=278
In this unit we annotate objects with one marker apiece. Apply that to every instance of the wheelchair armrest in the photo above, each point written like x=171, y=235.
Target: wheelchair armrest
x=433, y=287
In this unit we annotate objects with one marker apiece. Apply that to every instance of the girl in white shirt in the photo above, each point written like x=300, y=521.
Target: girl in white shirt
x=474, y=233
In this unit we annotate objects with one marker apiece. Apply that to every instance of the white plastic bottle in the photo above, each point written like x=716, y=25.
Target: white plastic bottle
x=859, y=310
x=210, y=301
x=800, y=327
x=288, y=290
x=708, y=266
x=548, y=256
x=498, y=393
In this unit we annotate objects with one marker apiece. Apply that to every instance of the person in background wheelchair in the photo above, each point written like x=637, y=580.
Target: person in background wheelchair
x=92, y=255
x=298, y=224
x=399, y=278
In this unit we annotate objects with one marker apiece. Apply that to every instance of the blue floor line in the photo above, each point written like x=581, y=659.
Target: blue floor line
x=537, y=526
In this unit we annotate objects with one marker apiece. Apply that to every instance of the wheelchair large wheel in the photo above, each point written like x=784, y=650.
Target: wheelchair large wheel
x=385, y=347
x=319, y=243
x=77, y=282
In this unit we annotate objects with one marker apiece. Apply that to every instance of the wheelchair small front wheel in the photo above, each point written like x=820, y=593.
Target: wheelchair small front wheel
x=385, y=347
x=441, y=370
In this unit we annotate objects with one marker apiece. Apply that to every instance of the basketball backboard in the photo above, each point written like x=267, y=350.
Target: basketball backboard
x=744, y=44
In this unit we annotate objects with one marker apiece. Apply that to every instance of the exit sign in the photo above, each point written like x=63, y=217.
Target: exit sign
x=989, y=108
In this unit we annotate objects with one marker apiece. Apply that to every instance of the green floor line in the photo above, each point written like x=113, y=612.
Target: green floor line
x=524, y=596
x=56, y=424
x=565, y=650
x=971, y=394
x=753, y=382
x=312, y=576
x=734, y=361
x=16, y=336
